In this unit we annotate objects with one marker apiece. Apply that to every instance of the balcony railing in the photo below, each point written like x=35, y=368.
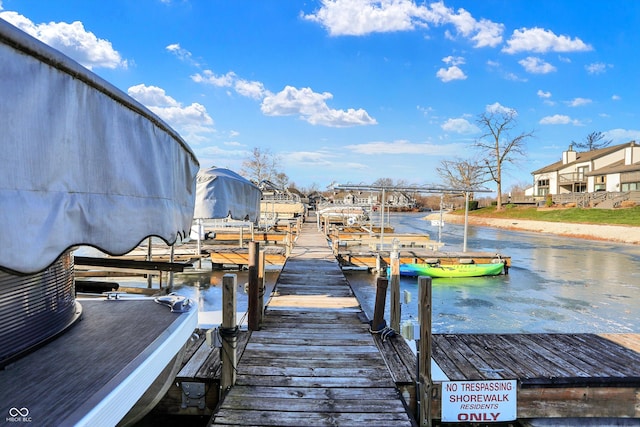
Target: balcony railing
x=573, y=177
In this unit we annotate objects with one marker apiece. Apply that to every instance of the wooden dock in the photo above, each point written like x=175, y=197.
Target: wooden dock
x=314, y=361
x=559, y=375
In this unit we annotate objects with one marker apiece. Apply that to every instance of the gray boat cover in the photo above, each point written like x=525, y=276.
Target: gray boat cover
x=81, y=162
x=222, y=193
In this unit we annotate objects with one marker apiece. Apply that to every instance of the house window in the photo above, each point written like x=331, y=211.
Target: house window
x=543, y=187
x=581, y=171
x=630, y=186
x=601, y=183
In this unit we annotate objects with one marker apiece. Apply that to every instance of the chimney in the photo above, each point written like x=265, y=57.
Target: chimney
x=629, y=153
x=569, y=156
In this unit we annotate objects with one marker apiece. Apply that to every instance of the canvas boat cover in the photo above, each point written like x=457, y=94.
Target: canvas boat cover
x=81, y=162
x=222, y=193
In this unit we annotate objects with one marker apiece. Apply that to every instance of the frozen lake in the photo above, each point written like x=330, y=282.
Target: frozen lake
x=555, y=284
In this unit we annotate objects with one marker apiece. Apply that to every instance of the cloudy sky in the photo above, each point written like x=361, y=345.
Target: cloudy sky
x=355, y=90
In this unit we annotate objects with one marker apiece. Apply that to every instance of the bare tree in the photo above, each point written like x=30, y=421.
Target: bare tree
x=594, y=141
x=463, y=173
x=263, y=165
x=497, y=146
x=383, y=182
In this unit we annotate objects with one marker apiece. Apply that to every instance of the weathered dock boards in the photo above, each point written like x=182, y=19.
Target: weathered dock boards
x=559, y=375
x=314, y=361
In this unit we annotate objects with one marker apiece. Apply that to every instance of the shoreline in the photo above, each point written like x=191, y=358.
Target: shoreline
x=610, y=233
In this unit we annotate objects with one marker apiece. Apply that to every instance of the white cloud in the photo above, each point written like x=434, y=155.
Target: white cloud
x=578, y=102
x=71, y=39
x=615, y=97
x=497, y=108
x=620, y=136
x=181, y=53
x=311, y=158
x=536, y=65
x=251, y=89
x=312, y=107
x=361, y=17
x=208, y=77
x=543, y=94
x=451, y=73
x=540, y=40
x=559, y=119
x=191, y=120
x=597, y=68
x=404, y=147
x=453, y=60
x=460, y=125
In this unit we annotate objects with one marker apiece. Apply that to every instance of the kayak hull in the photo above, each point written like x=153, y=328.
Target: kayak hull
x=455, y=270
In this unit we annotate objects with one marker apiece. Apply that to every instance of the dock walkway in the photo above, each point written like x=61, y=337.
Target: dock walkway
x=314, y=361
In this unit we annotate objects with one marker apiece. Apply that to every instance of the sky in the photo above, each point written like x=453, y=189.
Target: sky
x=351, y=91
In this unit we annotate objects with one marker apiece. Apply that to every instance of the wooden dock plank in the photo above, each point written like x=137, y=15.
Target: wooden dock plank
x=314, y=361
x=630, y=341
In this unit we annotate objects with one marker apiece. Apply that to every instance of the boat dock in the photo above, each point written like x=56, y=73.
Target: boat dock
x=314, y=361
x=315, y=345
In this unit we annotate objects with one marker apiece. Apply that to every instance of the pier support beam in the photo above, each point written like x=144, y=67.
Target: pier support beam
x=254, y=287
x=425, y=382
x=395, y=287
x=378, y=322
x=229, y=333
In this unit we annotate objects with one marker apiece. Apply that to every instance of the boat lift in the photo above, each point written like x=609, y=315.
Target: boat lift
x=417, y=189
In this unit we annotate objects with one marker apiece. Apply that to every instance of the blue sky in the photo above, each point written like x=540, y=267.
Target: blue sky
x=355, y=90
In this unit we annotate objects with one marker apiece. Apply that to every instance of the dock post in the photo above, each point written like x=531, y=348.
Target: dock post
x=254, y=287
x=149, y=258
x=378, y=322
x=395, y=287
x=290, y=238
x=262, y=262
x=228, y=333
x=425, y=382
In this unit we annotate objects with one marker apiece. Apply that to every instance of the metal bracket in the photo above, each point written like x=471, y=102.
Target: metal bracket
x=193, y=395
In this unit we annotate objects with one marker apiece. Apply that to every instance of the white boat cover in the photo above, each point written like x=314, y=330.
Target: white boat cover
x=82, y=163
x=222, y=193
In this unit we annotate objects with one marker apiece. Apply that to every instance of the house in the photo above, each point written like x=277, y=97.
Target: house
x=610, y=169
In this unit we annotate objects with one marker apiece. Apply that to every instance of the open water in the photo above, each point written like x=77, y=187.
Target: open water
x=555, y=284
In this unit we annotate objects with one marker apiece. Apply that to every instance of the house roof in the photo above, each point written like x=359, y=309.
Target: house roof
x=616, y=167
x=584, y=157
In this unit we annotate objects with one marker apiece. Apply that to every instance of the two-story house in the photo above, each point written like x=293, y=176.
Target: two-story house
x=611, y=169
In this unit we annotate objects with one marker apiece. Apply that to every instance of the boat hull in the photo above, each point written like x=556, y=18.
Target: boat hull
x=457, y=270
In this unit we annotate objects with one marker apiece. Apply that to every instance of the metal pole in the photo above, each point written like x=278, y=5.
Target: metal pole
x=199, y=226
x=382, y=220
x=441, y=216
x=466, y=220
x=395, y=287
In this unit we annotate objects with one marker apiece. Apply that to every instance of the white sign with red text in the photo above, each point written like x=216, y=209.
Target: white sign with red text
x=474, y=401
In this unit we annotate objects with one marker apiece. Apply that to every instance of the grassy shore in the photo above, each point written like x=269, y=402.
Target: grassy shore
x=626, y=216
